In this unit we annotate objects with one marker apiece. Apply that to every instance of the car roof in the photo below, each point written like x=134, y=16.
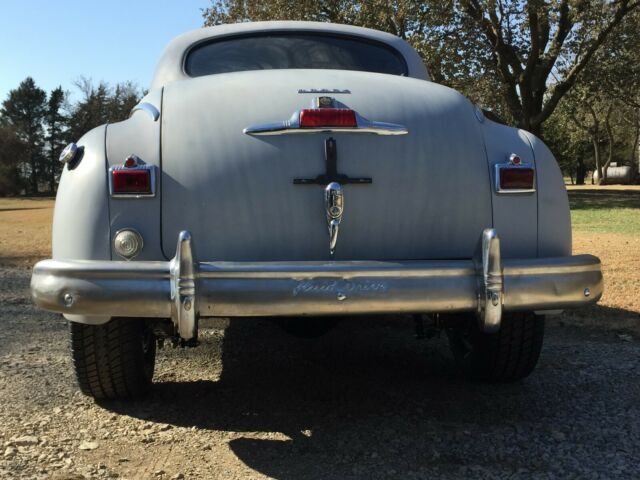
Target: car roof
x=170, y=67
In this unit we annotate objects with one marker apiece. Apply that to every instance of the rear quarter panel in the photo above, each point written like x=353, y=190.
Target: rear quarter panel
x=81, y=213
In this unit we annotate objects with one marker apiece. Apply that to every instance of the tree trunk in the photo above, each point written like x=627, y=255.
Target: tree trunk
x=33, y=177
x=607, y=125
x=596, y=157
x=634, y=160
x=581, y=172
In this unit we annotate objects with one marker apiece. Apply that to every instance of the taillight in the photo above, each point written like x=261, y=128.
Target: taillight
x=327, y=117
x=131, y=182
x=517, y=178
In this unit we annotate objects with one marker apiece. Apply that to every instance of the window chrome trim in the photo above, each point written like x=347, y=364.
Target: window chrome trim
x=293, y=126
x=150, y=168
x=502, y=166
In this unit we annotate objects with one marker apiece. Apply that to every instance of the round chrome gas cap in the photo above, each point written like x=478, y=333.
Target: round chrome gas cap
x=69, y=153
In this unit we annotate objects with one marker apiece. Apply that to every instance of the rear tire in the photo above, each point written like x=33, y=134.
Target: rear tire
x=505, y=356
x=115, y=360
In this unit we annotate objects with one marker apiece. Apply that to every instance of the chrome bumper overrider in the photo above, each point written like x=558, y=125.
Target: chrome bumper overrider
x=183, y=289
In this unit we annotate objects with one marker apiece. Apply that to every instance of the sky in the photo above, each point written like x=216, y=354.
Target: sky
x=57, y=41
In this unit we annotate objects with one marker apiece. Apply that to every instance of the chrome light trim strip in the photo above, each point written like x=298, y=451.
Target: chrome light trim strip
x=151, y=168
x=500, y=166
x=293, y=126
x=148, y=108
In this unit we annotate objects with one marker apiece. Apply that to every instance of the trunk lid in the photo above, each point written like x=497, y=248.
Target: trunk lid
x=430, y=195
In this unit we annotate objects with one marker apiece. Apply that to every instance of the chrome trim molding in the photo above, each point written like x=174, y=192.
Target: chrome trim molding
x=151, y=168
x=324, y=90
x=183, y=289
x=334, y=207
x=183, y=273
x=490, y=303
x=293, y=126
x=148, y=108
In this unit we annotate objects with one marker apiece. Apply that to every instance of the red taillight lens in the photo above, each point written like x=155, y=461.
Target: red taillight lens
x=516, y=178
x=131, y=181
x=327, y=117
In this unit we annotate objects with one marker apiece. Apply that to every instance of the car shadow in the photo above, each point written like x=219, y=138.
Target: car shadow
x=603, y=199
x=364, y=395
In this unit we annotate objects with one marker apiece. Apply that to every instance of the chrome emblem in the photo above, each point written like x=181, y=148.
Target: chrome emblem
x=323, y=90
x=334, y=206
x=332, y=181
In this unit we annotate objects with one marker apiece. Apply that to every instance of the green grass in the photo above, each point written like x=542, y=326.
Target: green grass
x=605, y=211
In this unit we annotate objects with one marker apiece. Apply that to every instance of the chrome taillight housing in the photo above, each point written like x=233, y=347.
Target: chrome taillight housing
x=132, y=179
x=515, y=176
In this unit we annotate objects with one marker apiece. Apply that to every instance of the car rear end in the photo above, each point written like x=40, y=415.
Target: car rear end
x=316, y=192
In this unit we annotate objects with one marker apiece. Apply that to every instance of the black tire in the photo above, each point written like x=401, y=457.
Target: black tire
x=115, y=360
x=307, y=327
x=505, y=356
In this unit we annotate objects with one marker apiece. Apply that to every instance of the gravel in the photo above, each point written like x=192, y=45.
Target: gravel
x=365, y=401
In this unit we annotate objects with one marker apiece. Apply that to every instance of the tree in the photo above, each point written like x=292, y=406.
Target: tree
x=91, y=110
x=539, y=48
x=24, y=112
x=12, y=151
x=604, y=105
x=533, y=51
x=55, y=124
x=101, y=104
x=125, y=96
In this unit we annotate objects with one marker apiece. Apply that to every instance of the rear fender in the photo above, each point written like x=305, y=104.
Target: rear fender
x=554, y=217
x=81, y=214
x=514, y=215
x=139, y=135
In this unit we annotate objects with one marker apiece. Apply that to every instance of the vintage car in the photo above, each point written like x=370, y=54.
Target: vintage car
x=306, y=171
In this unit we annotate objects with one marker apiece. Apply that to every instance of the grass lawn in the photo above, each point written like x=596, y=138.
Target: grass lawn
x=606, y=223
x=605, y=211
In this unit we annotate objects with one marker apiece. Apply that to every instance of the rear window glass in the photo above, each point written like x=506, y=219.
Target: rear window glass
x=293, y=50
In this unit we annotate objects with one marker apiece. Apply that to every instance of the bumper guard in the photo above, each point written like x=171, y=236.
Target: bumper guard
x=183, y=289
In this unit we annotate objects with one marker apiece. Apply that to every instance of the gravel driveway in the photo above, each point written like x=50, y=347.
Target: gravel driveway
x=365, y=401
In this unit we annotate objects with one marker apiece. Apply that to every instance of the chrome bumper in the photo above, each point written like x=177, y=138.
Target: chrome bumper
x=183, y=289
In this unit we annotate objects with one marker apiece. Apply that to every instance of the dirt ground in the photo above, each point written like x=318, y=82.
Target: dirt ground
x=367, y=401
x=25, y=230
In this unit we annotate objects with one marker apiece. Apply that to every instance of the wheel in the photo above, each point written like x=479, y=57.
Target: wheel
x=307, y=327
x=115, y=360
x=505, y=356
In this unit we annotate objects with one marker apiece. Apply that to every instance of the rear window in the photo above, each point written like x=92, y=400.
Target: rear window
x=293, y=50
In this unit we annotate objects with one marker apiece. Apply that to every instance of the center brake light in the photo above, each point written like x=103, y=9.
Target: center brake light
x=327, y=117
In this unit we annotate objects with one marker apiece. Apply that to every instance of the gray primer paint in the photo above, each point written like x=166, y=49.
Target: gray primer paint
x=85, y=216
x=514, y=215
x=81, y=214
x=554, y=217
x=139, y=135
x=430, y=196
